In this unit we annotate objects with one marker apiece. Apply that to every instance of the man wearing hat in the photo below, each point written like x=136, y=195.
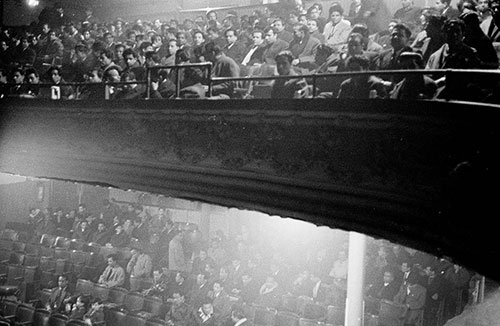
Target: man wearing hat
x=139, y=266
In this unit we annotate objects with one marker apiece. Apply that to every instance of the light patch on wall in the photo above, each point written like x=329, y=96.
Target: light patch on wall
x=6, y=178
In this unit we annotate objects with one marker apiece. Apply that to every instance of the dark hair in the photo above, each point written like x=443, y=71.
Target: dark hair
x=100, y=72
x=404, y=28
x=284, y=54
x=108, y=53
x=129, y=51
x=360, y=60
x=336, y=6
x=181, y=56
x=113, y=256
x=30, y=71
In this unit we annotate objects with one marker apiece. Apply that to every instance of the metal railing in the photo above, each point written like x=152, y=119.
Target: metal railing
x=312, y=79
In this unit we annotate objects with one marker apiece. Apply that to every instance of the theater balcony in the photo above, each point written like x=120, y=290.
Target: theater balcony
x=422, y=173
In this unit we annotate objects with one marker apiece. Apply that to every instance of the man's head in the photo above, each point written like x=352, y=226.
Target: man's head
x=388, y=276
x=101, y=227
x=207, y=308
x=32, y=76
x=106, y=57
x=300, y=31
x=271, y=34
x=18, y=76
x=62, y=281
x=55, y=74
x=180, y=277
x=218, y=287
x=279, y=25
x=312, y=25
x=406, y=3
x=400, y=36
x=454, y=32
x=178, y=298
x=355, y=44
x=441, y=5
x=112, y=260
x=411, y=60
x=258, y=37
x=211, y=15
x=201, y=278
x=198, y=38
x=284, y=62
x=130, y=57
x=231, y=36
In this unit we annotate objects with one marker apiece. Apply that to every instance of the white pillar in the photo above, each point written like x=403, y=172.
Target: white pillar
x=355, y=279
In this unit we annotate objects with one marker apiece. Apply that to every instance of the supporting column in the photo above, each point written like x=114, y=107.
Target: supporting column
x=355, y=279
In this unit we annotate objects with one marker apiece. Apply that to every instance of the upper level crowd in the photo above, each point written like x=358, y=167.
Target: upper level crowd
x=313, y=40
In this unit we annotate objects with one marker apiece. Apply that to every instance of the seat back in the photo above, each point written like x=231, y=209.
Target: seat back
x=100, y=291
x=46, y=252
x=32, y=248
x=153, y=305
x=62, y=253
x=4, y=255
x=266, y=317
x=117, y=295
x=84, y=287
x=57, y=319
x=25, y=313
x=156, y=322
x=14, y=272
x=134, y=301
x=76, y=322
x=62, y=242
x=115, y=317
x=48, y=240
x=79, y=257
x=314, y=311
x=76, y=245
x=31, y=260
x=18, y=246
x=134, y=320
x=9, y=307
x=9, y=234
x=335, y=315
x=288, y=303
x=16, y=258
x=287, y=318
x=6, y=244
x=47, y=264
x=310, y=322
x=48, y=279
x=302, y=300
x=41, y=317
x=45, y=296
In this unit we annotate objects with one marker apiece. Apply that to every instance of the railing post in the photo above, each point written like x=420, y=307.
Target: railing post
x=148, y=83
x=314, y=86
x=210, y=80
x=177, y=82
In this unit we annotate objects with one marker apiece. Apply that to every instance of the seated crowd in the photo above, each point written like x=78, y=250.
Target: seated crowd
x=258, y=45
x=216, y=278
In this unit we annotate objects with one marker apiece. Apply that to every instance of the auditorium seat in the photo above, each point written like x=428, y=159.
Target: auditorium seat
x=133, y=302
x=391, y=314
x=25, y=315
x=76, y=245
x=153, y=307
x=6, y=244
x=116, y=297
x=79, y=257
x=47, y=264
x=62, y=243
x=57, y=319
x=264, y=317
x=310, y=322
x=4, y=256
x=84, y=287
x=15, y=275
x=115, y=317
x=9, y=309
x=314, y=311
x=134, y=320
x=62, y=253
x=32, y=249
x=16, y=258
x=46, y=252
x=9, y=234
x=288, y=303
x=100, y=291
x=302, y=300
x=156, y=322
x=335, y=315
x=41, y=317
x=287, y=318
x=48, y=240
x=76, y=322
x=47, y=279
x=31, y=260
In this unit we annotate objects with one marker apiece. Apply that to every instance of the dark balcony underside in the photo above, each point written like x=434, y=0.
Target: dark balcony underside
x=384, y=168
